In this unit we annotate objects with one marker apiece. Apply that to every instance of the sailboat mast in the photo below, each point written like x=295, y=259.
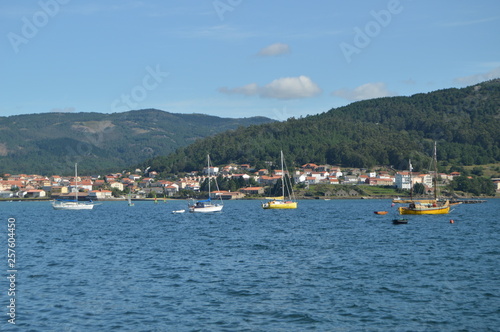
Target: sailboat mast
x=435, y=171
x=208, y=171
x=411, y=183
x=282, y=176
x=76, y=182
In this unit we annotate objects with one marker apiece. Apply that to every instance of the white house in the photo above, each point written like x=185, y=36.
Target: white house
x=35, y=193
x=211, y=170
x=402, y=180
x=86, y=185
x=245, y=177
x=425, y=179
x=6, y=194
x=336, y=172
x=117, y=185
x=171, y=190
x=100, y=194
x=301, y=178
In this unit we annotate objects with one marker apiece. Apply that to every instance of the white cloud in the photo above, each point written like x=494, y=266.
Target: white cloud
x=365, y=91
x=471, y=22
x=473, y=79
x=274, y=49
x=281, y=88
x=291, y=88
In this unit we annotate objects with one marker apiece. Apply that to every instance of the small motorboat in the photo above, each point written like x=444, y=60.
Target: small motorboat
x=178, y=211
x=399, y=221
x=380, y=212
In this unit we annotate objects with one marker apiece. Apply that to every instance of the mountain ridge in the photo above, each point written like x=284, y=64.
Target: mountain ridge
x=384, y=131
x=50, y=143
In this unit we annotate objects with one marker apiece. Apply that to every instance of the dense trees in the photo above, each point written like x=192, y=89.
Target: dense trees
x=50, y=143
x=384, y=131
x=475, y=185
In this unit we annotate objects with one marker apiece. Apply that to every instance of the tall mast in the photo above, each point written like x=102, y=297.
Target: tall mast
x=434, y=179
x=76, y=182
x=208, y=169
x=411, y=183
x=282, y=176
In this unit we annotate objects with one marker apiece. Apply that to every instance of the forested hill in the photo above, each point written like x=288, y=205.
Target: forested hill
x=51, y=143
x=386, y=131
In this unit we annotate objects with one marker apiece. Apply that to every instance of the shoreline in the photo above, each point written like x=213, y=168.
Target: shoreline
x=48, y=199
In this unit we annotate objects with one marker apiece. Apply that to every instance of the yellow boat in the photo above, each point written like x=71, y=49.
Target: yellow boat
x=277, y=204
x=280, y=202
x=419, y=208
x=434, y=206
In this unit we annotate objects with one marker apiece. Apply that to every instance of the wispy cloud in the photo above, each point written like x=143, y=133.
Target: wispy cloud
x=471, y=22
x=220, y=32
x=473, y=79
x=365, y=91
x=281, y=88
x=274, y=50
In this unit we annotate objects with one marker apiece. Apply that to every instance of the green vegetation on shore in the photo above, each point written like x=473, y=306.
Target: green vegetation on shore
x=386, y=131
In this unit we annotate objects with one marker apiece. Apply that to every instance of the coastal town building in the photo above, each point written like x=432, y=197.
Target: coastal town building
x=254, y=181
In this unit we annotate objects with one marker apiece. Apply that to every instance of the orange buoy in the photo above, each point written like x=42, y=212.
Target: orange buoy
x=452, y=221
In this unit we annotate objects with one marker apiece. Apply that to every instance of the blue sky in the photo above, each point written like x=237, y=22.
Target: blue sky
x=238, y=58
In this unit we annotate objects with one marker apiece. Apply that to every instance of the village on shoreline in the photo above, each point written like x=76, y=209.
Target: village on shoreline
x=249, y=183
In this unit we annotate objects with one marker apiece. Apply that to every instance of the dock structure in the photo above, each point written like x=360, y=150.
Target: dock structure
x=470, y=201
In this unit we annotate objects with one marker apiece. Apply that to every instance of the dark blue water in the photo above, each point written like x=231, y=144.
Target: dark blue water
x=327, y=266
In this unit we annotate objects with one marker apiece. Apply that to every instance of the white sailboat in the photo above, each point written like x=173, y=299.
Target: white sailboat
x=73, y=204
x=207, y=205
x=286, y=201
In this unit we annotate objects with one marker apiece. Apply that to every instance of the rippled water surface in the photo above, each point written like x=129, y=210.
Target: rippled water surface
x=327, y=266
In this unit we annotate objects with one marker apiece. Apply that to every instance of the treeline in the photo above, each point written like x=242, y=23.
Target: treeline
x=51, y=143
x=384, y=131
x=475, y=185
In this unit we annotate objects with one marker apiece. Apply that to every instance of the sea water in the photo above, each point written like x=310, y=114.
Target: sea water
x=326, y=266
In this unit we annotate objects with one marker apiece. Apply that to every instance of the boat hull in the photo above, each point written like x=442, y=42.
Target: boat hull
x=72, y=206
x=279, y=205
x=206, y=208
x=425, y=210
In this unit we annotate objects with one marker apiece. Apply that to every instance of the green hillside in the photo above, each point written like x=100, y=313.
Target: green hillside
x=50, y=143
x=386, y=131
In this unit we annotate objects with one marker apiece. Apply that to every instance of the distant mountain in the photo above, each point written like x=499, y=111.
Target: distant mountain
x=50, y=143
x=386, y=131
